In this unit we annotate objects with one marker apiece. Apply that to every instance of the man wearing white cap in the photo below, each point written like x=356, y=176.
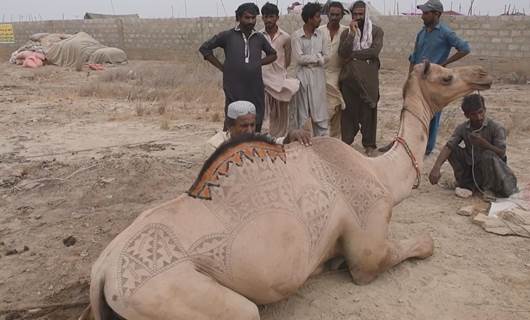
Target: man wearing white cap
x=241, y=119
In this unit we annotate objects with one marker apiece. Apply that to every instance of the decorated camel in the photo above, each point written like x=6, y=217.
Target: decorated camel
x=261, y=218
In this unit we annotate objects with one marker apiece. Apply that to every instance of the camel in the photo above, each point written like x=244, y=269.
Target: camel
x=262, y=218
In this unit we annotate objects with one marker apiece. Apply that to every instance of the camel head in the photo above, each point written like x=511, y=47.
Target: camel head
x=440, y=86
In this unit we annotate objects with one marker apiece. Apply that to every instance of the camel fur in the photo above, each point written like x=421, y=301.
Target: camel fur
x=262, y=218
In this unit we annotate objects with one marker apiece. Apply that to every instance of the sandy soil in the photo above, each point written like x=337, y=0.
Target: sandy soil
x=83, y=165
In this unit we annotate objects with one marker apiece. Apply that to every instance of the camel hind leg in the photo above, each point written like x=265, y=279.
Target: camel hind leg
x=369, y=252
x=188, y=294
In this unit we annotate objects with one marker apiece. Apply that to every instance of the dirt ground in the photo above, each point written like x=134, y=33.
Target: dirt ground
x=82, y=154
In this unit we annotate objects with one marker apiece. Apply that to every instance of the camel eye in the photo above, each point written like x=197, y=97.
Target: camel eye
x=447, y=79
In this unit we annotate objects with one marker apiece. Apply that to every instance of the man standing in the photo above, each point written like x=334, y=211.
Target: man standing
x=482, y=163
x=332, y=32
x=359, y=79
x=279, y=89
x=243, y=47
x=310, y=51
x=434, y=43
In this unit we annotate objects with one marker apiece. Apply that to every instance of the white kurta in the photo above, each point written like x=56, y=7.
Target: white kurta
x=310, y=54
x=333, y=68
x=275, y=79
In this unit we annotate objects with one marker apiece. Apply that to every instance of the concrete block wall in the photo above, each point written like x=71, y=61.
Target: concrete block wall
x=493, y=37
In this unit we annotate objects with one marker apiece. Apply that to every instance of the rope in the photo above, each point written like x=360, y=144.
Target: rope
x=413, y=159
x=473, y=153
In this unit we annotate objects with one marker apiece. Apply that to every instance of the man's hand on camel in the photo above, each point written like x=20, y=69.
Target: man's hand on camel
x=300, y=135
x=435, y=176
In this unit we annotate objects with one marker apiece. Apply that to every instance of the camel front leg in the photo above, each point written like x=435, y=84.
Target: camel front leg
x=368, y=252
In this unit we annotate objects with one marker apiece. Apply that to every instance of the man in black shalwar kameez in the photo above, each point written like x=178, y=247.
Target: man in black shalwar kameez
x=243, y=47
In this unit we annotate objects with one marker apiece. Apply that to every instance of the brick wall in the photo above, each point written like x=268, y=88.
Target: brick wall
x=506, y=38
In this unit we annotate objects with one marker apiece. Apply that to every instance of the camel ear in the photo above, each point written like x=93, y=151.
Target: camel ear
x=426, y=68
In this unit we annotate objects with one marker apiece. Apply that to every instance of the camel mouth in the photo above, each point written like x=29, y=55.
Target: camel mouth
x=483, y=85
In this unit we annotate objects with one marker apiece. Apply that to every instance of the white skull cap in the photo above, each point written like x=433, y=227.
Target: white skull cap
x=240, y=108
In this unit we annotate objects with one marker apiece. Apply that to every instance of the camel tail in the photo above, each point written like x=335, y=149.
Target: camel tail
x=98, y=309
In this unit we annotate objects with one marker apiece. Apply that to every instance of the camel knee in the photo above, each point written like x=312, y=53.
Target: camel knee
x=369, y=264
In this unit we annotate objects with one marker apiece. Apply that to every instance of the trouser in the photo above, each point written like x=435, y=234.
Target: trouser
x=358, y=115
x=491, y=172
x=276, y=116
x=334, y=122
x=320, y=128
x=433, y=132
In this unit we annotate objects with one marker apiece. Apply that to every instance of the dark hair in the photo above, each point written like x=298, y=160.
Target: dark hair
x=310, y=10
x=230, y=122
x=336, y=4
x=358, y=4
x=472, y=103
x=270, y=9
x=249, y=7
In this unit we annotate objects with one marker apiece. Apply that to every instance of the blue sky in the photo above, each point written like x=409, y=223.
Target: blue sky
x=74, y=9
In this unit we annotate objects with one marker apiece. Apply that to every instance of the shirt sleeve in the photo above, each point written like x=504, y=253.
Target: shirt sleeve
x=412, y=57
x=266, y=47
x=325, y=50
x=499, y=137
x=298, y=54
x=458, y=43
x=346, y=44
x=457, y=137
x=217, y=41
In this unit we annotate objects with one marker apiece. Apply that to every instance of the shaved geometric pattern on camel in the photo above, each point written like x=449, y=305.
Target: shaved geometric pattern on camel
x=269, y=225
x=155, y=249
x=360, y=189
x=150, y=252
x=233, y=156
x=267, y=191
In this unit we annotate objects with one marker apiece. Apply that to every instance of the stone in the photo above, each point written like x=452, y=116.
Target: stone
x=463, y=193
x=466, y=211
x=69, y=241
x=515, y=222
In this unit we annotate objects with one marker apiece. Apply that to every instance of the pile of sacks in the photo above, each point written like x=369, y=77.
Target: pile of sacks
x=66, y=50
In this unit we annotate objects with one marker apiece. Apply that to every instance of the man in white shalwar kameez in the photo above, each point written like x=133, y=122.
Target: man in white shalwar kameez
x=279, y=89
x=332, y=32
x=310, y=53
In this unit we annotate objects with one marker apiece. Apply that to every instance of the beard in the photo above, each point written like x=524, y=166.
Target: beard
x=360, y=23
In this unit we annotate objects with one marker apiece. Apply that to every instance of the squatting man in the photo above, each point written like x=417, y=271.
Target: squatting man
x=482, y=163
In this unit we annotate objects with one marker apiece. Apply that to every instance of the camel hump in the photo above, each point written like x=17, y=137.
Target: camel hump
x=250, y=147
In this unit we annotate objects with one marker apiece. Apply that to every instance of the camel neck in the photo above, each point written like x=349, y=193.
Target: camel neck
x=396, y=166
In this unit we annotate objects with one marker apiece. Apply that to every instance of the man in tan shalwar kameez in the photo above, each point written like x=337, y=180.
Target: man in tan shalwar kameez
x=279, y=89
x=332, y=32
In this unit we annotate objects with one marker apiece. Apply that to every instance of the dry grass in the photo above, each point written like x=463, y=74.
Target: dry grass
x=165, y=88
x=164, y=124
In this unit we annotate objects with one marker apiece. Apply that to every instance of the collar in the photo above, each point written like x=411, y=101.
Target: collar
x=301, y=33
x=279, y=33
x=485, y=124
x=238, y=29
x=437, y=27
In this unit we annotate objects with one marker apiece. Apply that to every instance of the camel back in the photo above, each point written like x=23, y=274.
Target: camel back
x=232, y=152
